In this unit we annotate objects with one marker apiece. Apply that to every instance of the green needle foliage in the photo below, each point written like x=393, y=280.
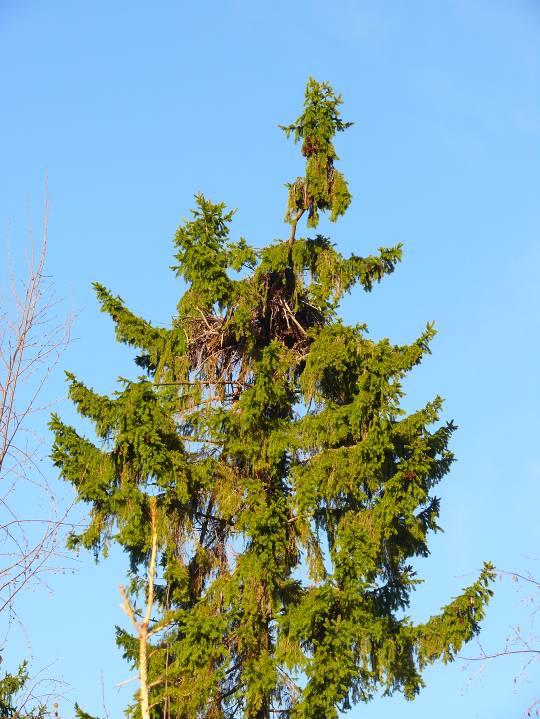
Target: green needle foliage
x=292, y=492
x=16, y=697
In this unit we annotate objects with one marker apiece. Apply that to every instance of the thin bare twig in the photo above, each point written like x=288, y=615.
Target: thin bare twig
x=32, y=340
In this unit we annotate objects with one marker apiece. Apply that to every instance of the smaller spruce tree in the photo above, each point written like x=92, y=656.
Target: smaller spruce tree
x=271, y=493
x=17, y=700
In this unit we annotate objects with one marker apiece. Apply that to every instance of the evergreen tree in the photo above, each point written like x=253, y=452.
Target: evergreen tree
x=269, y=490
x=17, y=700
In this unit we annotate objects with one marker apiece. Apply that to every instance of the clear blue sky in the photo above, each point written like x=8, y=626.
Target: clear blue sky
x=134, y=106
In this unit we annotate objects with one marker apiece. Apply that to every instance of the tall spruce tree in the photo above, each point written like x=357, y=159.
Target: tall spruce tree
x=269, y=490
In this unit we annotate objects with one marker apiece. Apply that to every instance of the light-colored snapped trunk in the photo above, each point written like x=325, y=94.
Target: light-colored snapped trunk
x=141, y=627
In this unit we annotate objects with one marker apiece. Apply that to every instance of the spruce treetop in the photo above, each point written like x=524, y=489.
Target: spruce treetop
x=270, y=491
x=323, y=187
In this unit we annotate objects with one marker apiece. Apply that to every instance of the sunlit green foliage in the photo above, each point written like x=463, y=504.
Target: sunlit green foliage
x=16, y=697
x=294, y=494
x=323, y=187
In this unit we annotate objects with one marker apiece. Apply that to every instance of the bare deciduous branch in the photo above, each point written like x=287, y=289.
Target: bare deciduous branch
x=32, y=340
x=519, y=642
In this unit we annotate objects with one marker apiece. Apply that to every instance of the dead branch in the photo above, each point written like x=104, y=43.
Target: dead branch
x=142, y=627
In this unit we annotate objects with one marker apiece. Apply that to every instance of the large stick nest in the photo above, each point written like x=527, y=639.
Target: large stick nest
x=215, y=351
